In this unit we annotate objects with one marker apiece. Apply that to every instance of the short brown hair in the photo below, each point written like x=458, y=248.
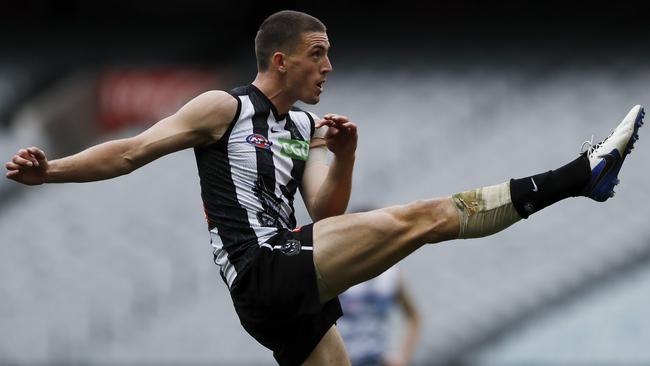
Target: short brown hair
x=281, y=32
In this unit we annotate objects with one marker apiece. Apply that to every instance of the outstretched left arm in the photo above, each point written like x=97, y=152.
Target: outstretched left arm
x=326, y=189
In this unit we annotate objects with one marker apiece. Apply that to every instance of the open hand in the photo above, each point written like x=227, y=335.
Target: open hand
x=28, y=166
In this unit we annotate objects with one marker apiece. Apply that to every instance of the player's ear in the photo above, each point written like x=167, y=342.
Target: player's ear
x=279, y=61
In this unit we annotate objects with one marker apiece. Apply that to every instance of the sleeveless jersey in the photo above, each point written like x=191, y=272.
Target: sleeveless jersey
x=250, y=176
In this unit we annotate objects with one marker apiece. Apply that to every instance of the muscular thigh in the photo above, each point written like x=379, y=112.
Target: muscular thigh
x=350, y=249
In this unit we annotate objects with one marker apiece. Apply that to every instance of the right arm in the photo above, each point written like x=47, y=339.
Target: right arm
x=200, y=122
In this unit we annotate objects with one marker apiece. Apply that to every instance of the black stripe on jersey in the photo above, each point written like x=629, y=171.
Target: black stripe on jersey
x=289, y=191
x=272, y=212
x=220, y=200
x=312, y=124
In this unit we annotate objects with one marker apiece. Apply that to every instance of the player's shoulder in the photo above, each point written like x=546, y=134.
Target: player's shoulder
x=217, y=98
x=212, y=111
x=215, y=103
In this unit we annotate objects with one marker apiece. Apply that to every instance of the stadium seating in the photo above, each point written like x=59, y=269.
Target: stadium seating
x=120, y=271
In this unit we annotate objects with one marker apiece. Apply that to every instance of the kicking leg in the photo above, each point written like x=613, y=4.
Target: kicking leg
x=350, y=249
x=353, y=248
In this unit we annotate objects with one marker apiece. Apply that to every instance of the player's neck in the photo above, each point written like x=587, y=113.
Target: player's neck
x=275, y=91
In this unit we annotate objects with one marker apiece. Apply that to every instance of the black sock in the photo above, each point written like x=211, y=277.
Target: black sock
x=532, y=194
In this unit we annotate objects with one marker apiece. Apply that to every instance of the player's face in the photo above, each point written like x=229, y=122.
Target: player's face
x=308, y=66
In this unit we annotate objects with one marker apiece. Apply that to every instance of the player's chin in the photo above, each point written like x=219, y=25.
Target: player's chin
x=312, y=99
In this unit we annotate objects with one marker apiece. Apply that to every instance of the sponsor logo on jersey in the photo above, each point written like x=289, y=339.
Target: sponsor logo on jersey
x=258, y=140
x=295, y=149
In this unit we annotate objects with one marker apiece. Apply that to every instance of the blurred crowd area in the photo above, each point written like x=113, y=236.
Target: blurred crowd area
x=448, y=96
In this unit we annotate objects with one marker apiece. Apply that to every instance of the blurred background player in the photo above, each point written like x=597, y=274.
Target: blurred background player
x=365, y=326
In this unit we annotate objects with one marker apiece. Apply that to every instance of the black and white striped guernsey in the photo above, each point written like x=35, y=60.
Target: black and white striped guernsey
x=250, y=177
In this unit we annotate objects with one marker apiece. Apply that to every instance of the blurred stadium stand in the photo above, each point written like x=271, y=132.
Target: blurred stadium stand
x=447, y=96
x=19, y=83
x=16, y=84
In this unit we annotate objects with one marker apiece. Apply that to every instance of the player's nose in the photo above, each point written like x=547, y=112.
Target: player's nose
x=327, y=66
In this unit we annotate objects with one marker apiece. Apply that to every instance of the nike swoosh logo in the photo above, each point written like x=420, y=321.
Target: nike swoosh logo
x=274, y=130
x=610, y=162
x=534, y=185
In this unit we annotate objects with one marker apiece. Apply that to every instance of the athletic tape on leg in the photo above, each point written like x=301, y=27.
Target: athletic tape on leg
x=485, y=211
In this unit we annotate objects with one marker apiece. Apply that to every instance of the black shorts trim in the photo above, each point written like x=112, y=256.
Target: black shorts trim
x=277, y=300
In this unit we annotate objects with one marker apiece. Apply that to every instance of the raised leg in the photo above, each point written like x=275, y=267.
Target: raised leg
x=350, y=249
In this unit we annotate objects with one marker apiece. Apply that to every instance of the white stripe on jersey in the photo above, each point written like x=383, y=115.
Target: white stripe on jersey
x=221, y=257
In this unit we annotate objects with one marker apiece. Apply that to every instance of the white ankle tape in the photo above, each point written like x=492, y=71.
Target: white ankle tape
x=485, y=211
